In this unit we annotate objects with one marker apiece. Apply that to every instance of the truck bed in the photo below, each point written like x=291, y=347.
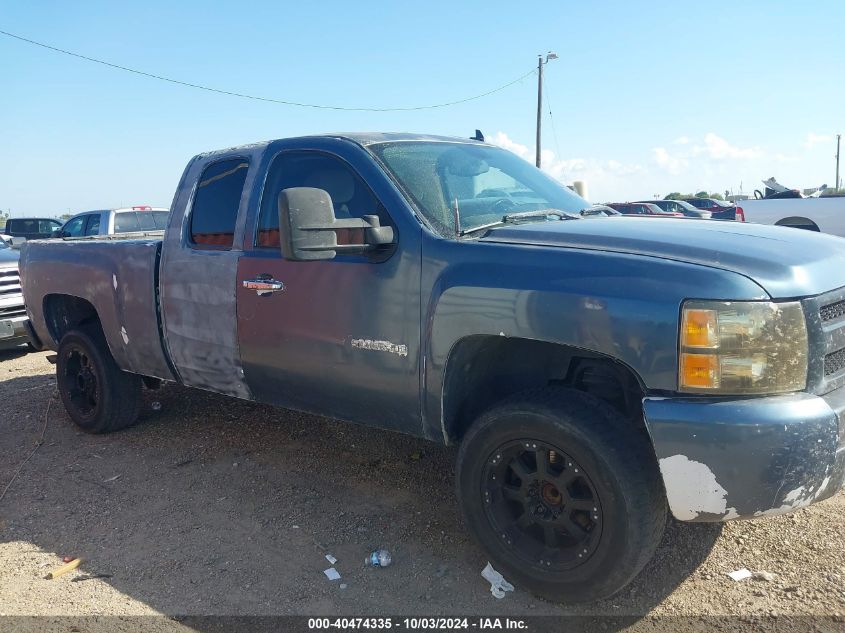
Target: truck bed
x=118, y=277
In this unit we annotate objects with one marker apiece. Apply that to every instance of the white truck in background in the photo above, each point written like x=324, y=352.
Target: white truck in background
x=813, y=213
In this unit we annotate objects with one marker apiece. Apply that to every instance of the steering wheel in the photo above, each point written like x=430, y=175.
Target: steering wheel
x=503, y=206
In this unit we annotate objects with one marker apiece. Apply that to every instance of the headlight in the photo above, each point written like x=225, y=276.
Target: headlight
x=731, y=347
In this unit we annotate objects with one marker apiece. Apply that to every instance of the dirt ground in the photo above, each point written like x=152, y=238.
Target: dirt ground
x=218, y=506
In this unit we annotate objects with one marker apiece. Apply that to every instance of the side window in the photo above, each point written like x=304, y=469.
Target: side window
x=75, y=227
x=215, y=208
x=351, y=197
x=45, y=227
x=126, y=222
x=93, y=226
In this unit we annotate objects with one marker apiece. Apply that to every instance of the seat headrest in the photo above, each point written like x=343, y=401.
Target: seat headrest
x=339, y=184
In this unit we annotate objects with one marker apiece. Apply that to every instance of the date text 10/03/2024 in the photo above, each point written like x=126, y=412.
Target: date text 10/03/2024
x=420, y=623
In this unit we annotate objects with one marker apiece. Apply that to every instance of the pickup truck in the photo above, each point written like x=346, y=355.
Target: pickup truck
x=594, y=372
x=13, y=320
x=826, y=215
x=115, y=221
x=23, y=229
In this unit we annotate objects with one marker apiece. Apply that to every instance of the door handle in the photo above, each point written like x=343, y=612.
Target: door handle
x=264, y=285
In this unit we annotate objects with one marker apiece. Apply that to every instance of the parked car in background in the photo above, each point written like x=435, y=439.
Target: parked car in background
x=22, y=229
x=642, y=208
x=684, y=208
x=599, y=210
x=719, y=209
x=114, y=221
x=13, y=319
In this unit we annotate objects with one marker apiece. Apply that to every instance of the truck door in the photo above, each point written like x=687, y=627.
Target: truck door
x=338, y=337
x=198, y=275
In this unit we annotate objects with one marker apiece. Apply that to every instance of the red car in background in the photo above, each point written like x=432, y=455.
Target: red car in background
x=643, y=208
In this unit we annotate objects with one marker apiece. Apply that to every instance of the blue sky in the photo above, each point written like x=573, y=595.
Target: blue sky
x=647, y=98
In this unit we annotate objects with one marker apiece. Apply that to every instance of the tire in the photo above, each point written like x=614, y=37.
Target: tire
x=98, y=396
x=605, y=521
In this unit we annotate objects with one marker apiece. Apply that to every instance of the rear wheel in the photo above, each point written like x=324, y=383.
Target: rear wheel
x=97, y=395
x=563, y=493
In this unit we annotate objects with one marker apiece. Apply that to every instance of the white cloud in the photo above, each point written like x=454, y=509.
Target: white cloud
x=567, y=170
x=815, y=139
x=503, y=140
x=604, y=177
x=717, y=148
x=673, y=164
x=686, y=163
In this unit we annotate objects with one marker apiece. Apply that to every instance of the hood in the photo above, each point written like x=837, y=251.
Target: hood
x=8, y=257
x=785, y=262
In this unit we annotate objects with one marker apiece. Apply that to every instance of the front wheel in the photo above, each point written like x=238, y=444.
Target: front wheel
x=563, y=493
x=98, y=396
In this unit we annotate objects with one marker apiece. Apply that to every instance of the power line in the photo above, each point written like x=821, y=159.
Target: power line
x=267, y=99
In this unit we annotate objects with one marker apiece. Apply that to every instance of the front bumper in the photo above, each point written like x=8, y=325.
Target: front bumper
x=13, y=332
x=743, y=458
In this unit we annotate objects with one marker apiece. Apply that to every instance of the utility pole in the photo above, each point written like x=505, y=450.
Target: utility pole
x=836, y=184
x=540, y=64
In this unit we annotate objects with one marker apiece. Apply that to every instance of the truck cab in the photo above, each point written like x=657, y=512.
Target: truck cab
x=115, y=221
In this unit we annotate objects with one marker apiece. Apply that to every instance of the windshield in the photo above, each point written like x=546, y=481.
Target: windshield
x=459, y=186
x=3, y=242
x=687, y=206
x=723, y=203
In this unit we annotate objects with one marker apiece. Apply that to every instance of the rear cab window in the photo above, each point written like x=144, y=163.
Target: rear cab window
x=126, y=222
x=215, y=208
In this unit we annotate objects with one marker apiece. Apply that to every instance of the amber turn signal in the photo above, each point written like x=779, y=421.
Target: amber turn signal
x=700, y=371
x=699, y=329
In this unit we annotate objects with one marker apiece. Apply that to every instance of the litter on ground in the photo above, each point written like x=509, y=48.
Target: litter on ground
x=498, y=585
x=740, y=574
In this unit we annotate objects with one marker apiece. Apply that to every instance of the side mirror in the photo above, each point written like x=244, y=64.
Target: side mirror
x=55, y=233
x=307, y=226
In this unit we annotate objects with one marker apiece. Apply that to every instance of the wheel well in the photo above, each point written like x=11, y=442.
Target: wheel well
x=483, y=370
x=796, y=222
x=63, y=313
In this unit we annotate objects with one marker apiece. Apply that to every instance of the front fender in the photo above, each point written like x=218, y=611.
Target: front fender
x=621, y=306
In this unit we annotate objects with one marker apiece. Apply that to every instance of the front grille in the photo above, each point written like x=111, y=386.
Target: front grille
x=826, y=336
x=16, y=311
x=10, y=282
x=832, y=311
x=834, y=363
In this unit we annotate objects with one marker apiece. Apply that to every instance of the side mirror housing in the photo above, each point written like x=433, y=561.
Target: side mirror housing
x=307, y=226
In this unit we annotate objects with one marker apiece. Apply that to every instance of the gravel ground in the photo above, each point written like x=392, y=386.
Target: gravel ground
x=217, y=506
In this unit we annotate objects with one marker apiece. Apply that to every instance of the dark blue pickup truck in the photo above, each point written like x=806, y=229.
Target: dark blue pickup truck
x=595, y=372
